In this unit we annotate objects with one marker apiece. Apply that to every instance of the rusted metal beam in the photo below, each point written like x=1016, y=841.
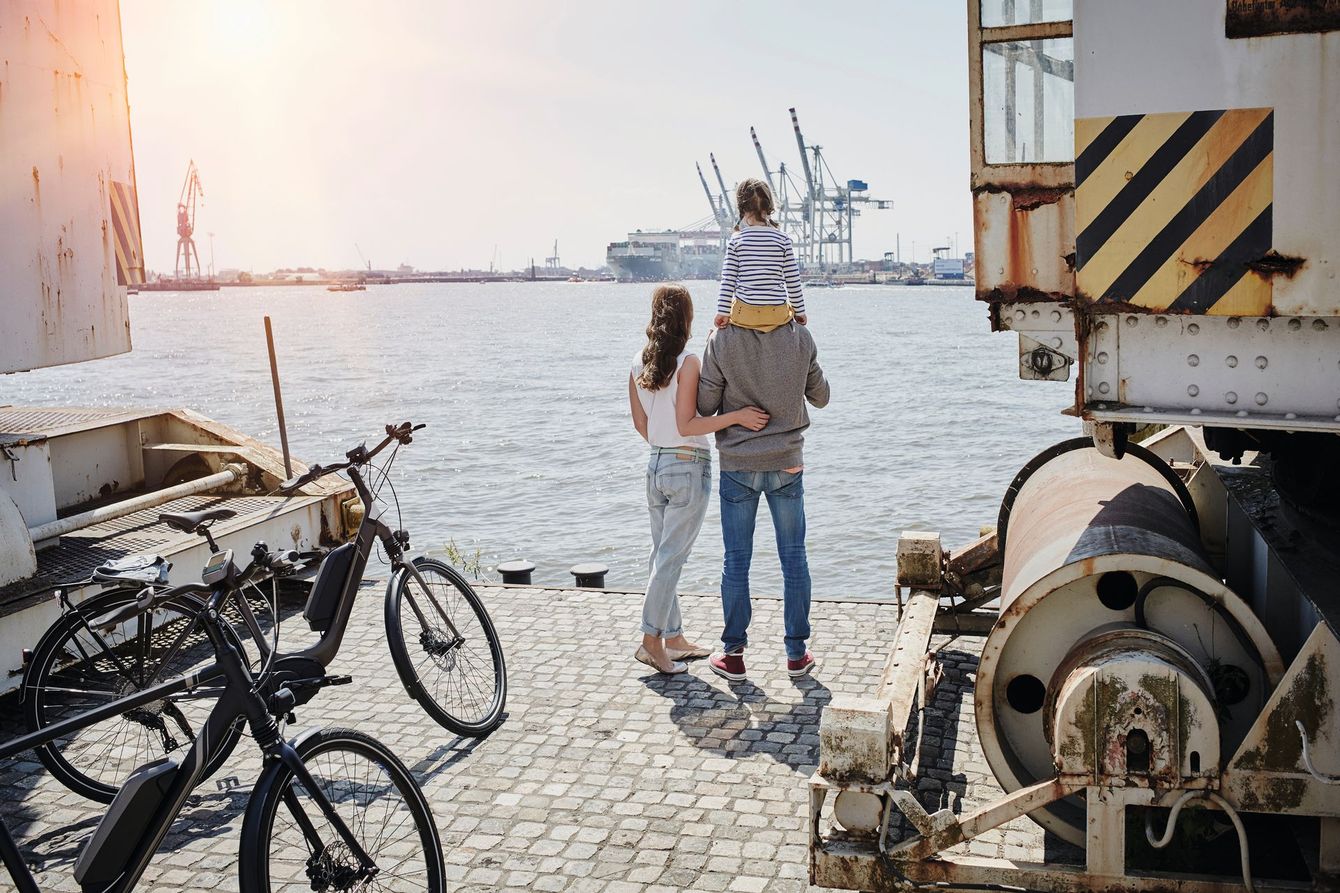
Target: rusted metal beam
x=983, y=819
x=863, y=739
x=852, y=865
x=901, y=679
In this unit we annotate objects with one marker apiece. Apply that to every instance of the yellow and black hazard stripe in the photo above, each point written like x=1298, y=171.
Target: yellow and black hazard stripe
x=1172, y=208
x=126, y=235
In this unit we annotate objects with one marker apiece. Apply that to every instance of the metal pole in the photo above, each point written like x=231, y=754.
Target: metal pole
x=279, y=399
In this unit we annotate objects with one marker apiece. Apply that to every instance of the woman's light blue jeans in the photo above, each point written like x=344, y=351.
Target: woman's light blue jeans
x=679, y=483
x=739, y=507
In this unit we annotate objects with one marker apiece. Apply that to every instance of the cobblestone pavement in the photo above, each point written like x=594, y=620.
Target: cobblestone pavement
x=602, y=777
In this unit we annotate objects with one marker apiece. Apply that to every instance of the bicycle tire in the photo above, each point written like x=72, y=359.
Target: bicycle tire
x=48, y=694
x=483, y=717
x=270, y=864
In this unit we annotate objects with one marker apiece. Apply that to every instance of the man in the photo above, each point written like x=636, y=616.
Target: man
x=776, y=371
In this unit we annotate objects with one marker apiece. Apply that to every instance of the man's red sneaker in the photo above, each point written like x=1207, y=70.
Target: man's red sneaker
x=802, y=666
x=728, y=666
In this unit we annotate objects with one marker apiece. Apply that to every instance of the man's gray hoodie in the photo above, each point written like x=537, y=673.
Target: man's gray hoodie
x=776, y=371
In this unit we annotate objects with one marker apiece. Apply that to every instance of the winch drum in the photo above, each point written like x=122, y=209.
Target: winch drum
x=1092, y=544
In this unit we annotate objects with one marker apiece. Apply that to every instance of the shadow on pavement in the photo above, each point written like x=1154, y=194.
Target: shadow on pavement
x=744, y=719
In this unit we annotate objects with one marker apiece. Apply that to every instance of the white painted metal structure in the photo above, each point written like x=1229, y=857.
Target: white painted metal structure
x=1150, y=56
x=65, y=129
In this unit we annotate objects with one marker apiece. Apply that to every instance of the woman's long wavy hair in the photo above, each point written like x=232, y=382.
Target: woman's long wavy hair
x=754, y=198
x=667, y=333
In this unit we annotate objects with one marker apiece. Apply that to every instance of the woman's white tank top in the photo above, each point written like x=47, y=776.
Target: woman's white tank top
x=662, y=428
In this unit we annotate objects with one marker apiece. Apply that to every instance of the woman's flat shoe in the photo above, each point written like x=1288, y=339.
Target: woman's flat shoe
x=643, y=656
x=693, y=652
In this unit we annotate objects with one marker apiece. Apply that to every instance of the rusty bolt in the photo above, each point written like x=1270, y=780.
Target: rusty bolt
x=1102, y=356
x=1103, y=387
x=1193, y=328
x=1132, y=321
x=1160, y=321
x=1319, y=325
x=1263, y=324
x=1234, y=322
x=1295, y=325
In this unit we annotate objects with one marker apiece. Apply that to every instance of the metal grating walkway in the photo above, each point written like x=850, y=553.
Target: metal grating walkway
x=28, y=422
x=82, y=551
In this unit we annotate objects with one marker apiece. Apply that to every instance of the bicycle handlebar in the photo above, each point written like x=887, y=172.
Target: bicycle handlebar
x=359, y=455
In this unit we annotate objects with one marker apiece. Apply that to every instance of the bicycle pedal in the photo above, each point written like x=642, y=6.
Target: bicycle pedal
x=339, y=680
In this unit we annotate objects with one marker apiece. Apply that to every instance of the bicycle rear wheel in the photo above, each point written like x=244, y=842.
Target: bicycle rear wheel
x=445, y=648
x=80, y=665
x=289, y=844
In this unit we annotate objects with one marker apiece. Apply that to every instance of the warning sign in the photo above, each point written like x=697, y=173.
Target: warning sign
x=1257, y=18
x=1171, y=210
x=126, y=233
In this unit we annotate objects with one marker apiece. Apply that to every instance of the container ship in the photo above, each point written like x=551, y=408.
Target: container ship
x=666, y=255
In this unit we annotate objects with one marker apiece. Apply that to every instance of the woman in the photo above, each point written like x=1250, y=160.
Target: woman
x=663, y=396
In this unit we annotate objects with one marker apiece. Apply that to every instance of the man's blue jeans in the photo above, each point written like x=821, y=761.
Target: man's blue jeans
x=739, y=507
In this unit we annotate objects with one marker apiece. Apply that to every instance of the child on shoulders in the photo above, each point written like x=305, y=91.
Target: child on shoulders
x=760, y=279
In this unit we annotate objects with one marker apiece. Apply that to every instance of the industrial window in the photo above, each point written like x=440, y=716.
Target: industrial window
x=999, y=13
x=1028, y=97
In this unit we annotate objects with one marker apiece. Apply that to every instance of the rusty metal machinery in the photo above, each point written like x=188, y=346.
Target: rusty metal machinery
x=1155, y=209
x=1117, y=646
x=1120, y=682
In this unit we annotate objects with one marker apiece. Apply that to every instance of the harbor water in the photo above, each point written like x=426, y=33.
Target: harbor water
x=530, y=450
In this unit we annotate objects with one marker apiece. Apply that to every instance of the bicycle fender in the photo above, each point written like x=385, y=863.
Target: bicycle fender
x=411, y=683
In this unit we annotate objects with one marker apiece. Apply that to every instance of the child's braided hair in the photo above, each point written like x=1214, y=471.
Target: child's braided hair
x=667, y=333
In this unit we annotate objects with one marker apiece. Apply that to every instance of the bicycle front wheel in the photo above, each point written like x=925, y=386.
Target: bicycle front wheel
x=81, y=664
x=446, y=649
x=290, y=844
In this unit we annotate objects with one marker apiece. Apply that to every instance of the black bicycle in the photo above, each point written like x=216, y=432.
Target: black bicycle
x=332, y=810
x=442, y=642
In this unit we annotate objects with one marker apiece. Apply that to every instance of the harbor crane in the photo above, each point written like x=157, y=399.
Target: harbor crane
x=720, y=210
x=191, y=191
x=762, y=160
x=726, y=203
x=551, y=263
x=827, y=212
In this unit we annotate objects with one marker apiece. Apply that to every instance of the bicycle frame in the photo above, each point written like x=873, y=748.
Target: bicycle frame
x=239, y=699
x=371, y=530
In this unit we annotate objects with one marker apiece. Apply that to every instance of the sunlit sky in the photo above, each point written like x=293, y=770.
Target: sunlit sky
x=450, y=134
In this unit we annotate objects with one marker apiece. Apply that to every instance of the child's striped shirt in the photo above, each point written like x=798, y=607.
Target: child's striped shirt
x=760, y=268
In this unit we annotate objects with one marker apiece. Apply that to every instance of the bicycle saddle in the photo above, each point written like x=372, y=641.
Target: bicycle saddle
x=187, y=522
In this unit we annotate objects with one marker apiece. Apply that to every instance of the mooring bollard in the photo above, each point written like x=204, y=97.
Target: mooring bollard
x=590, y=576
x=517, y=571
